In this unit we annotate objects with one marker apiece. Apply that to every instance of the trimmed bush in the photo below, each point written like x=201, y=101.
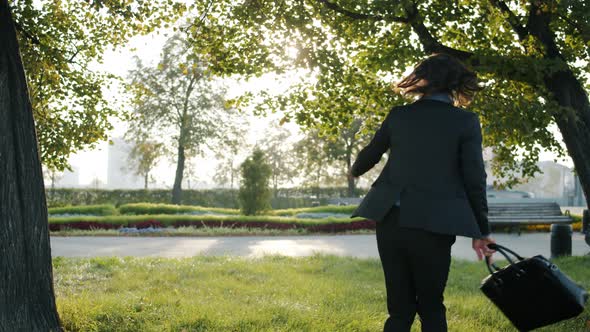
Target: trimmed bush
x=149, y=208
x=96, y=210
x=222, y=198
x=344, y=209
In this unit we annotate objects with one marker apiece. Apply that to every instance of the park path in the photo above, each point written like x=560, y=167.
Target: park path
x=362, y=246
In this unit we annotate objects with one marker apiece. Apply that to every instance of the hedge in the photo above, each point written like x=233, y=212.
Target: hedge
x=222, y=198
x=149, y=208
x=99, y=210
x=347, y=209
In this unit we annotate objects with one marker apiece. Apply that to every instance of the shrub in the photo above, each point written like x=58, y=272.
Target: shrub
x=149, y=208
x=96, y=210
x=345, y=209
x=254, y=194
x=222, y=198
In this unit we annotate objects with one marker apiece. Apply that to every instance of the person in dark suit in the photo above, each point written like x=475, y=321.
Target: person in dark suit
x=432, y=189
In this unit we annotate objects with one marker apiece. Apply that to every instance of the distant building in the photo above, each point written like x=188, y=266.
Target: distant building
x=118, y=175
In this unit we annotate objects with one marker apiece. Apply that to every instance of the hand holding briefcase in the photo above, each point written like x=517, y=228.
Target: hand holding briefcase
x=532, y=292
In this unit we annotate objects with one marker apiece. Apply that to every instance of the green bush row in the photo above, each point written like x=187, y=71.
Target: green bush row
x=347, y=209
x=284, y=198
x=150, y=208
x=99, y=210
x=171, y=209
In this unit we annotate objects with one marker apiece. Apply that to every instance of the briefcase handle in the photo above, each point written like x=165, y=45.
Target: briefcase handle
x=503, y=250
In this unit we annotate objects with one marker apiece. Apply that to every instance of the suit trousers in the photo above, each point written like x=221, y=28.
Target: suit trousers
x=416, y=266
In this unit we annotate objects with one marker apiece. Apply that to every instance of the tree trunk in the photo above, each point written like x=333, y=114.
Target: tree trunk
x=569, y=92
x=145, y=180
x=319, y=175
x=351, y=183
x=275, y=185
x=574, y=120
x=27, y=300
x=177, y=189
x=231, y=176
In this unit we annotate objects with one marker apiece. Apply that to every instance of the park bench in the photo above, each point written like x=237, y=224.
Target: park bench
x=520, y=214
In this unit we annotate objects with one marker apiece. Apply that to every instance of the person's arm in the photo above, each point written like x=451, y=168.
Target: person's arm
x=371, y=154
x=474, y=174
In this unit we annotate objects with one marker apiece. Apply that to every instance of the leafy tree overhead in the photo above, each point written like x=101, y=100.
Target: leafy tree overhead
x=533, y=57
x=179, y=100
x=254, y=193
x=59, y=42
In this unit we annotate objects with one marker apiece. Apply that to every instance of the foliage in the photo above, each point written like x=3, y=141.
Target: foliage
x=254, y=193
x=222, y=198
x=325, y=208
x=148, y=208
x=51, y=175
x=98, y=210
x=227, y=154
x=274, y=293
x=143, y=157
x=348, y=53
x=316, y=168
x=278, y=148
x=60, y=41
x=211, y=197
x=178, y=97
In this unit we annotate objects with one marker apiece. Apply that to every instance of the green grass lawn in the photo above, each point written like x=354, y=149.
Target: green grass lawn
x=274, y=293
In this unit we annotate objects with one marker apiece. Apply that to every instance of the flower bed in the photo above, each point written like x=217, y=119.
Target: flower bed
x=262, y=222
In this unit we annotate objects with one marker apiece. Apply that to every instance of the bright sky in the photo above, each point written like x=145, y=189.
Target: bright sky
x=93, y=164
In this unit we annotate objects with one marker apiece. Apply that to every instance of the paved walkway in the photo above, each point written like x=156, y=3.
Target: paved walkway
x=362, y=246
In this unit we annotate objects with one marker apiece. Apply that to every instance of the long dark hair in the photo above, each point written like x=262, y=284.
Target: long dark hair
x=441, y=72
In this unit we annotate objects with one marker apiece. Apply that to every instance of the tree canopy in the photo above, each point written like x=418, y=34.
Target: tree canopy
x=59, y=42
x=352, y=52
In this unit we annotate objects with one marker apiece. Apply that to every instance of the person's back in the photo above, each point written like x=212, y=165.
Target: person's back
x=424, y=142
x=432, y=188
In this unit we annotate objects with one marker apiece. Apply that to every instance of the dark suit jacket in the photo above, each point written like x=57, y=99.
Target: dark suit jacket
x=435, y=168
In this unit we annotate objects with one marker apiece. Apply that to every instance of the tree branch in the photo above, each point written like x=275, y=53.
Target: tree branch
x=362, y=16
x=513, y=20
x=430, y=43
x=582, y=30
x=20, y=29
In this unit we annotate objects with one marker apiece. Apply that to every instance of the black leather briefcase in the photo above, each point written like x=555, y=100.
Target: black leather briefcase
x=532, y=292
